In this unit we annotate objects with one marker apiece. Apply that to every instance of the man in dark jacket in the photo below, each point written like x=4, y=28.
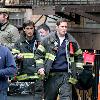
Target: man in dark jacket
x=25, y=48
x=7, y=69
x=54, y=58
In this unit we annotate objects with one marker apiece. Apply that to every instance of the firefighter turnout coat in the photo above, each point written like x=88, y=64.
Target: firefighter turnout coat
x=26, y=48
x=46, y=53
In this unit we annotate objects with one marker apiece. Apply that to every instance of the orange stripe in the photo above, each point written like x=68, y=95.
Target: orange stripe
x=99, y=91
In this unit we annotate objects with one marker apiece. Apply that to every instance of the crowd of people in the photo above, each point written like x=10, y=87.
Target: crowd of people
x=41, y=51
x=17, y=53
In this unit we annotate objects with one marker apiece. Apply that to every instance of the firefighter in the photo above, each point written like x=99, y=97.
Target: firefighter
x=24, y=50
x=59, y=60
x=43, y=30
x=9, y=34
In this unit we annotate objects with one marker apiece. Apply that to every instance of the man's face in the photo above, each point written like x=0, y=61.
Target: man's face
x=62, y=28
x=43, y=33
x=29, y=30
x=3, y=18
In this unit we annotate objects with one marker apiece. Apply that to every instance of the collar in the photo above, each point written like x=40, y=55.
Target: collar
x=66, y=36
x=4, y=26
x=23, y=39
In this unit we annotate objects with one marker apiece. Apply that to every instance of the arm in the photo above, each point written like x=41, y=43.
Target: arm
x=78, y=54
x=39, y=58
x=15, y=34
x=78, y=58
x=9, y=65
x=16, y=51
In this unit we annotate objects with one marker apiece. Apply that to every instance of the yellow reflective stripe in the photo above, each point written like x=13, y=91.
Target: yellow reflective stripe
x=50, y=56
x=40, y=61
x=71, y=59
x=79, y=65
x=41, y=48
x=15, y=51
x=28, y=55
x=78, y=52
x=34, y=77
x=22, y=77
x=47, y=55
x=72, y=80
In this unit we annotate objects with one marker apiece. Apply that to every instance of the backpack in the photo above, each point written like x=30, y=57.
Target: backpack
x=85, y=78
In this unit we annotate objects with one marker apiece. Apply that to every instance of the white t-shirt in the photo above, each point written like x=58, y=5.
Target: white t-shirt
x=61, y=39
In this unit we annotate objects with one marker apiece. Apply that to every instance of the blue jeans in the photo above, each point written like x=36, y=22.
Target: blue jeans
x=3, y=95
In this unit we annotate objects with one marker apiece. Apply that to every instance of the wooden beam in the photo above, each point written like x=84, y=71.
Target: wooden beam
x=81, y=12
x=84, y=30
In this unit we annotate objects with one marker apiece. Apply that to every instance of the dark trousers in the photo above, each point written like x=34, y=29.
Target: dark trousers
x=57, y=83
x=38, y=90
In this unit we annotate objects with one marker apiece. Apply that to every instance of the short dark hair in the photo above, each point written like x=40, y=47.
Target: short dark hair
x=44, y=26
x=28, y=23
x=61, y=20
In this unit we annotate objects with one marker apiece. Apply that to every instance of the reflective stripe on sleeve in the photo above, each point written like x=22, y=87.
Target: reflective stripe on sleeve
x=47, y=55
x=78, y=52
x=15, y=51
x=41, y=48
x=50, y=56
x=79, y=65
x=40, y=61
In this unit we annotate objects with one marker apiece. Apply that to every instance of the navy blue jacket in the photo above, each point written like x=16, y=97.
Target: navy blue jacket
x=7, y=67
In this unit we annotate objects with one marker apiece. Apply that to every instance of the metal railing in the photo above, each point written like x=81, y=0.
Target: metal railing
x=64, y=2
x=53, y=2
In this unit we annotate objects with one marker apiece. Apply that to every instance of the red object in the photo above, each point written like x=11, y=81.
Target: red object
x=99, y=87
x=71, y=48
x=89, y=57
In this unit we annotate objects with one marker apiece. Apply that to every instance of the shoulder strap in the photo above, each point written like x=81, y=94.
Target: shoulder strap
x=68, y=56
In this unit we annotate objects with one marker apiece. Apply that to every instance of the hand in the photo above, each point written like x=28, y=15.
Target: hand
x=41, y=72
x=20, y=56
